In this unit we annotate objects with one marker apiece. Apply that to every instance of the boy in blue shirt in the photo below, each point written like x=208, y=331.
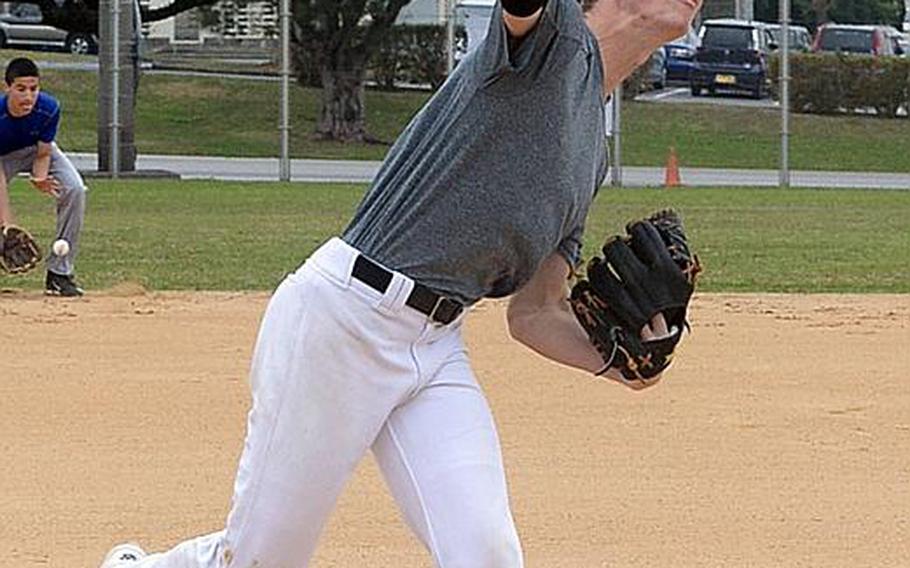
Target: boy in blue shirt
x=29, y=120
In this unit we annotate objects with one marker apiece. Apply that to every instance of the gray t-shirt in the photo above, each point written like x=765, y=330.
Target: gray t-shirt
x=498, y=169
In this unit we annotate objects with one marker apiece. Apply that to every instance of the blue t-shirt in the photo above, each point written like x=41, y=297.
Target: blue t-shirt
x=40, y=125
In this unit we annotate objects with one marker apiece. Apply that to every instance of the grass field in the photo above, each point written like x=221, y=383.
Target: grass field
x=234, y=236
x=238, y=117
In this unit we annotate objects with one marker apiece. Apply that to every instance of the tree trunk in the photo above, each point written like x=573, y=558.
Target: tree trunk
x=820, y=7
x=342, y=116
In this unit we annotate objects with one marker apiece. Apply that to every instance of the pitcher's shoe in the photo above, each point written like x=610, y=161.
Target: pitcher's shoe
x=61, y=285
x=123, y=556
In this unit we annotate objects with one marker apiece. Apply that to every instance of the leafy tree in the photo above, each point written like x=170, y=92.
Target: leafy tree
x=812, y=13
x=801, y=11
x=339, y=36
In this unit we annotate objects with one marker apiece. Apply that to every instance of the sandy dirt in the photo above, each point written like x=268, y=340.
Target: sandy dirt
x=781, y=437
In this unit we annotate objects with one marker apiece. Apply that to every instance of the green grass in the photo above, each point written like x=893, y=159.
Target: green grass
x=223, y=117
x=45, y=55
x=241, y=236
x=715, y=136
x=236, y=117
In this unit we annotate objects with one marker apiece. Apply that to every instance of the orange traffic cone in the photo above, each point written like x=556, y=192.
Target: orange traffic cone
x=671, y=178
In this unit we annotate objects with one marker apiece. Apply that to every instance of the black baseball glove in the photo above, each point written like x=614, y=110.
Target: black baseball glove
x=19, y=252
x=651, y=270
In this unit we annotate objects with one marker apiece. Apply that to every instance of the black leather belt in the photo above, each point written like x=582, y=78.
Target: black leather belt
x=438, y=308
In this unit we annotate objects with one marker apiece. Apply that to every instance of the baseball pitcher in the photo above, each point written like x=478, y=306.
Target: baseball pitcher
x=484, y=195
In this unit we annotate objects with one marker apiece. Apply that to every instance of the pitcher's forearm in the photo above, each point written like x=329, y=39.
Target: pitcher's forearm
x=555, y=334
x=629, y=32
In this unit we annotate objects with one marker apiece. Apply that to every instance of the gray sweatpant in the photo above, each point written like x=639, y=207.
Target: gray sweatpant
x=70, y=202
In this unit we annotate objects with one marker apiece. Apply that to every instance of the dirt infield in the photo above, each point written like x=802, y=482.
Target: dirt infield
x=780, y=438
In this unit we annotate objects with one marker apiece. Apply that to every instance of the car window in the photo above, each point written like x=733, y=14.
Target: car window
x=799, y=38
x=853, y=41
x=727, y=37
x=27, y=12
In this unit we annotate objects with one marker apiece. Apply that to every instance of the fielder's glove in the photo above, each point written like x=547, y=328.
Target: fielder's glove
x=649, y=271
x=19, y=252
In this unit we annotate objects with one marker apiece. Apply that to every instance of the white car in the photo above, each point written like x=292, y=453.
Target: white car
x=21, y=26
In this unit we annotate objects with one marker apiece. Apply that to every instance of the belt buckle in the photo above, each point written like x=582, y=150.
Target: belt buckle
x=432, y=314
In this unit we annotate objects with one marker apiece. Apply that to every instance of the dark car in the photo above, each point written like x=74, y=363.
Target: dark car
x=732, y=56
x=680, y=57
x=869, y=40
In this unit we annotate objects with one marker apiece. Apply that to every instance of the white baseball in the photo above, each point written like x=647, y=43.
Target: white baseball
x=60, y=247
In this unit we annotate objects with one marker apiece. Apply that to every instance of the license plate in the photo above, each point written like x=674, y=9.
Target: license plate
x=725, y=79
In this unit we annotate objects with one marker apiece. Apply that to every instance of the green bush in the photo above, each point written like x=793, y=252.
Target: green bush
x=833, y=83
x=412, y=54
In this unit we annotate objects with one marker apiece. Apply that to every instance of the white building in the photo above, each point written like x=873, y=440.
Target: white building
x=423, y=12
x=255, y=20
x=258, y=20
x=252, y=20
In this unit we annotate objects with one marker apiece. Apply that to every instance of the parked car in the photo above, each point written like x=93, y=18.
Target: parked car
x=871, y=40
x=21, y=26
x=680, y=57
x=904, y=43
x=657, y=70
x=900, y=42
x=800, y=38
x=732, y=56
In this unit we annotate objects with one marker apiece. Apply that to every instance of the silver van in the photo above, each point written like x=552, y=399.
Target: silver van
x=21, y=26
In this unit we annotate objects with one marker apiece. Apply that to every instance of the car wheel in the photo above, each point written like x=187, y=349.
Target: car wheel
x=80, y=44
x=696, y=91
x=661, y=82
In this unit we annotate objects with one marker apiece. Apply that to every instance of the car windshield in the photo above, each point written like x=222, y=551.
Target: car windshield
x=795, y=38
x=856, y=41
x=728, y=37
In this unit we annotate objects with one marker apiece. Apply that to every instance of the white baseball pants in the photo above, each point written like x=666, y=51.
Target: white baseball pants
x=338, y=369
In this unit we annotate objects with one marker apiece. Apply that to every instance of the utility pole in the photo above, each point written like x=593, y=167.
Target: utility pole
x=284, y=162
x=114, y=165
x=450, y=36
x=118, y=78
x=785, y=93
x=745, y=9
